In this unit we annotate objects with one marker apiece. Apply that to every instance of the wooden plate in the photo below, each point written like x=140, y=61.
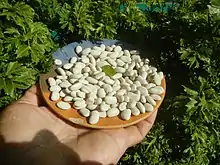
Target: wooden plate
x=73, y=116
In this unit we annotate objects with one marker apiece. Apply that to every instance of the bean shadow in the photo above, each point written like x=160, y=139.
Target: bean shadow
x=44, y=149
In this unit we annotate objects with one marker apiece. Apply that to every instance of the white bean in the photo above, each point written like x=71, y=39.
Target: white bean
x=67, y=66
x=110, y=100
x=141, y=107
x=156, y=97
x=86, y=69
x=112, y=93
x=58, y=81
x=160, y=74
x=90, y=100
x=125, y=59
x=103, y=114
x=102, y=46
x=55, y=88
x=92, y=80
x=102, y=63
x=141, y=80
x=63, y=105
x=132, y=104
x=117, y=76
x=67, y=99
x=92, y=67
x=156, y=90
x=126, y=86
x=120, y=62
x=116, y=87
x=57, y=62
x=101, y=93
x=62, y=94
x=78, y=49
x=100, y=83
x=127, y=53
x=131, y=66
x=51, y=81
x=61, y=71
x=151, y=100
x=85, y=59
x=103, y=55
x=76, y=76
x=113, y=46
x=76, y=86
x=98, y=101
x=68, y=73
x=99, y=75
x=120, y=98
x=73, y=60
x=95, y=53
x=143, y=91
x=143, y=99
x=91, y=106
x=137, y=83
x=157, y=79
x=126, y=99
x=126, y=114
x=55, y=96
x=108, y=48
x=134, y=52
x=113, y=112
x=80, y=94
x=113, y=55
x=112, y=62
x=121, y=53
x=121, y=92
x=117, y=49
x=94, y=117
x=86, y=51
x=120, y=69
x=148, y=107
x=133, y=87
x=150, y=85
x=135, y=111
x=97, y=48
x=144, y=75
x=83, y=81
x=67, y=91
x=72, y=80
x=128, y=81
x=65, y=84
x=85, y=112
x=107, y=88
x=104, y=107
x=73, y=94
x=122, y=106
x=108, y=80
x=80, y=103
x=133, y=96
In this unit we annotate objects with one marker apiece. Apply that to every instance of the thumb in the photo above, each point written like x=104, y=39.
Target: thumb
x=32, y=96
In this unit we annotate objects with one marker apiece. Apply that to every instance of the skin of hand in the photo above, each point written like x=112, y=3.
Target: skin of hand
x=30, y=131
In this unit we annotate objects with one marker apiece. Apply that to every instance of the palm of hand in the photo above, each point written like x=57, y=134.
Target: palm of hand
x=53, y=141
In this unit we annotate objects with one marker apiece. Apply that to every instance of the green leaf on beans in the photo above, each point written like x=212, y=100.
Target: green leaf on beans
x=108, y=70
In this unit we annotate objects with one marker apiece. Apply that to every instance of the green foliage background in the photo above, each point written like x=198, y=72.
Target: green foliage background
x=184, y=42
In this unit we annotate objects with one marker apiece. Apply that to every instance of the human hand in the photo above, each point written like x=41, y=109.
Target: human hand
x=32, y=134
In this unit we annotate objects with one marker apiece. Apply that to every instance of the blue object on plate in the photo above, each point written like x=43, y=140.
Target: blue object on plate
x=68, y=51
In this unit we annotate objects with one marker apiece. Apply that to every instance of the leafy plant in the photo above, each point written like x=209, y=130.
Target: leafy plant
x=25, y=49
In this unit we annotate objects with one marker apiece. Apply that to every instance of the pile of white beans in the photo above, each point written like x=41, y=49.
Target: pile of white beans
x=133, y=90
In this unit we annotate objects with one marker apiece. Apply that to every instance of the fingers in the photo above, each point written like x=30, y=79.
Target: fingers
x=137, y=132
x=32, y=96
